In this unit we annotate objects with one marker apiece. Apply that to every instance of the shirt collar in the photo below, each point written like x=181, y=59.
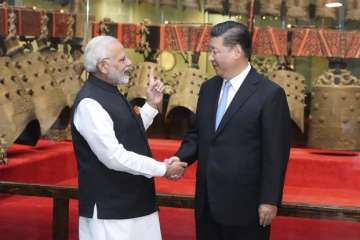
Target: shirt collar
x=239, y=79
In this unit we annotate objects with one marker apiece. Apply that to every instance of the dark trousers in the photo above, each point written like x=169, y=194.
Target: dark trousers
x=208, y=229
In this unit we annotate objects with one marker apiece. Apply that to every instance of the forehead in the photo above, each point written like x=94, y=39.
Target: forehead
x=216, y=42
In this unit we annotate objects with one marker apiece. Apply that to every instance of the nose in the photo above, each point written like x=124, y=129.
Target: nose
x=128, y=61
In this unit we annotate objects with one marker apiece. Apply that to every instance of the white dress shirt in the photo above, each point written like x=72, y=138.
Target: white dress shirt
x=93, y=122
x=235, y=83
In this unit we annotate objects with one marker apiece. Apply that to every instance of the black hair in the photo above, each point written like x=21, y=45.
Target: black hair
x=233, y=33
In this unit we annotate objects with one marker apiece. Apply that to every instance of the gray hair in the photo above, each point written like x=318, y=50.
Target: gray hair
x=95, y=50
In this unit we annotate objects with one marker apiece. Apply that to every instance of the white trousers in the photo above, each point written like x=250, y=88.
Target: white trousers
x=141, y=228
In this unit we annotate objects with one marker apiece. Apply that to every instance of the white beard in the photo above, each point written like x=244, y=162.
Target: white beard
x=119, y=77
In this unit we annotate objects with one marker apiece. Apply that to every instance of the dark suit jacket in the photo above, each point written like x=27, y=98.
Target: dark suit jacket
x=243, y=162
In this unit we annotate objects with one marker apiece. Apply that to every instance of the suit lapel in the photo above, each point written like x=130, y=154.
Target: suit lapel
x=247, y=88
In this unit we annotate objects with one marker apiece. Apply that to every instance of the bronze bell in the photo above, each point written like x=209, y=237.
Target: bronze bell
x=3, y=158
x=185, y=91
x=291, y=82
x=334, y=111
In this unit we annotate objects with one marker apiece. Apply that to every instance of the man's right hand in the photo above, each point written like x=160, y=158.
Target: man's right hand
x=175, y=169
x=155, y=92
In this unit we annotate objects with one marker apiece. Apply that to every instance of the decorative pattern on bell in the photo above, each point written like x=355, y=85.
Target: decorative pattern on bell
x=335, y=110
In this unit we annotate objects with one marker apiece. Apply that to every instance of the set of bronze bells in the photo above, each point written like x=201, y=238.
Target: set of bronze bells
x=335, y=109
x=185, y=85
x=334, y=122
x=35, y=86
x=295, y=8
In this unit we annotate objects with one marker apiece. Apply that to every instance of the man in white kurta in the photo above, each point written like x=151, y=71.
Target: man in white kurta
x=96, y=127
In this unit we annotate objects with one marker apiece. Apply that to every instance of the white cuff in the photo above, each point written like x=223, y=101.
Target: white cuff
x=161, y=170
x=149, y=110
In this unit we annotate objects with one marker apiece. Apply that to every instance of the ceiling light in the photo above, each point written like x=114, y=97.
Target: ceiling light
x=333, y=5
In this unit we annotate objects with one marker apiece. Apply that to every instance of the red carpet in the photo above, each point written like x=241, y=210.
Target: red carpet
x=311, y=177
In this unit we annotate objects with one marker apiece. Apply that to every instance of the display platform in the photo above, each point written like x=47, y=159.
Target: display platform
x=314, y=176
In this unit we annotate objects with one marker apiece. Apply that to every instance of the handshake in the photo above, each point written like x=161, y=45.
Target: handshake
x=174, y=168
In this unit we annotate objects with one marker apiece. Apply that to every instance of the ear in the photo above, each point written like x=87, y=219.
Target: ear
x=102, y=67
x=239, y=52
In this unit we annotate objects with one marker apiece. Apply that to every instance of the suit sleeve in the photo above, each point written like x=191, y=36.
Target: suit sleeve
x=275, y=131
x=188, y=151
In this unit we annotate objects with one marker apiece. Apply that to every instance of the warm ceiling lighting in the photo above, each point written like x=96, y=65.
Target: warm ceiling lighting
x=333, y=5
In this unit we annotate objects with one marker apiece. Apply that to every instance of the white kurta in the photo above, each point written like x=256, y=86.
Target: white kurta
x=93, y=123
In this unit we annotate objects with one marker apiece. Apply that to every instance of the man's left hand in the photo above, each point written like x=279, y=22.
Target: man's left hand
x=266, y=214
x=154, y=93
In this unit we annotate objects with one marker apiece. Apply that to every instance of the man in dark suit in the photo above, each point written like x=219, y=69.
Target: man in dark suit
x=241, y=141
